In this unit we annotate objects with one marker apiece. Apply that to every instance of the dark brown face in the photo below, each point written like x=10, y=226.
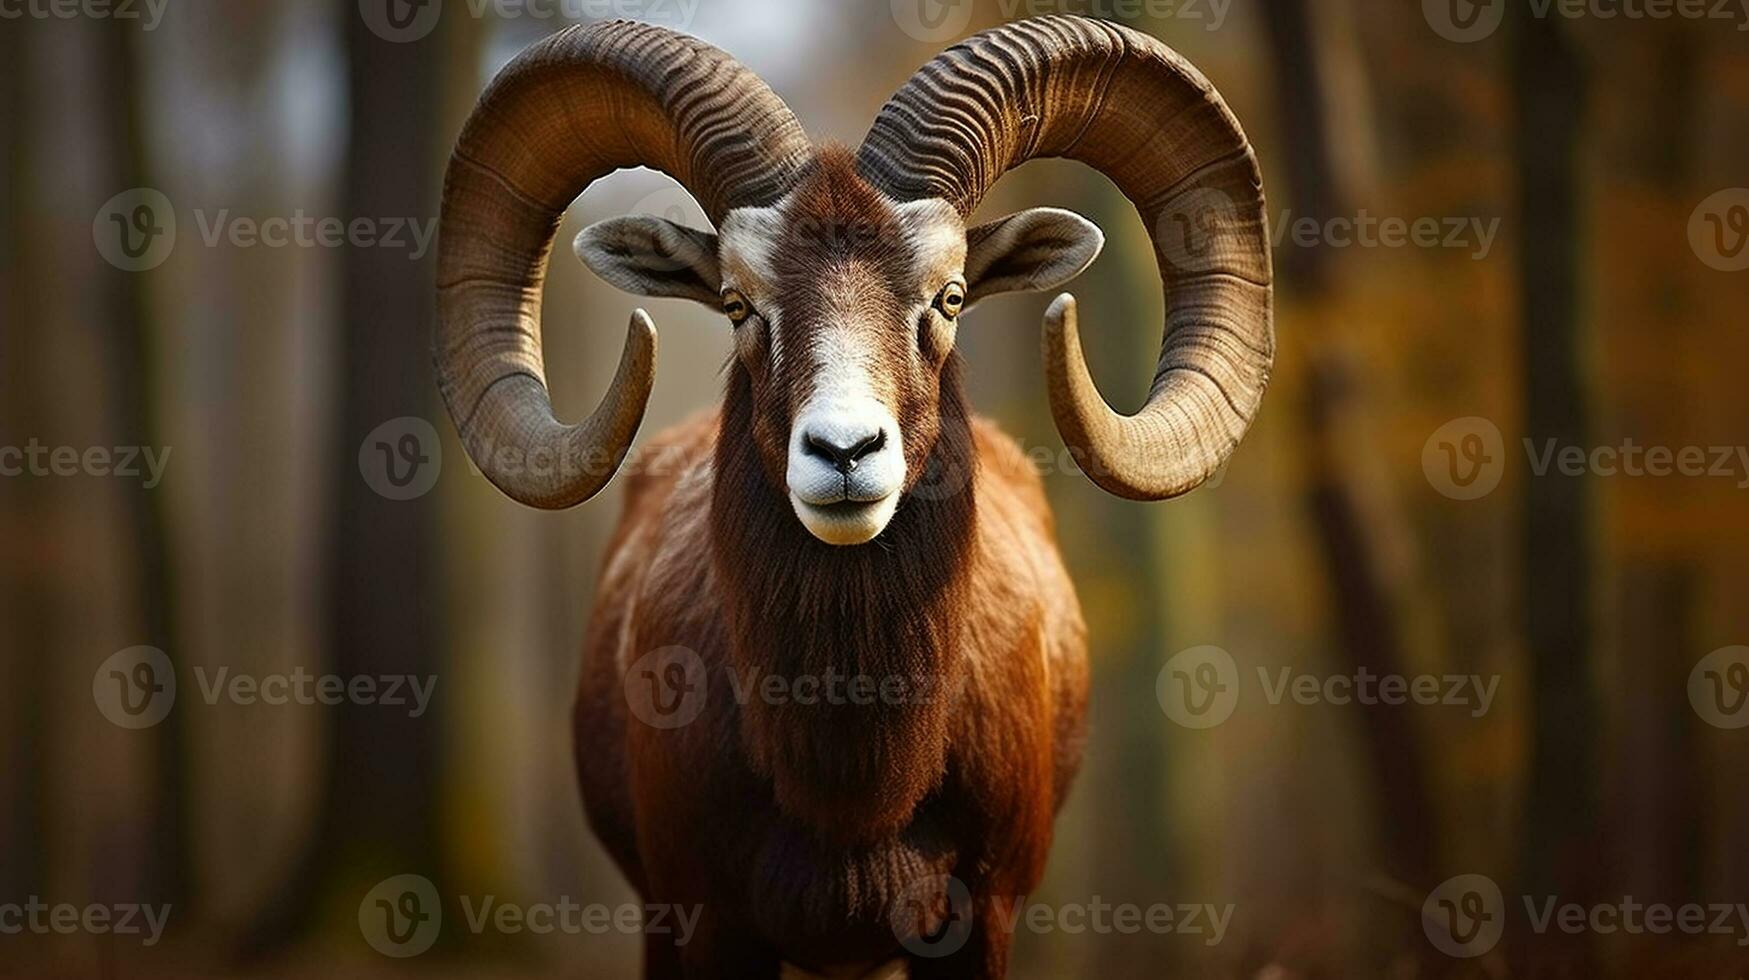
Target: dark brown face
x=844, y=305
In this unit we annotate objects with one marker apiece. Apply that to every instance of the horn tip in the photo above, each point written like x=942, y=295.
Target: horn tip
x=1060, y=315
x=641, y=331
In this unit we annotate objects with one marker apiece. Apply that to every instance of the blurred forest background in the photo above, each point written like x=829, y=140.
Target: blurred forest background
x=1326, y=547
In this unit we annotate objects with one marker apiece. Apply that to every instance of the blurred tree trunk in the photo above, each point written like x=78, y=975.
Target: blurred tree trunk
x=1561, y=840
x=1351, y=527
x=381, y=790
x=1655, y=797
x=131, y=380
x=383, y=772
x=25, y=595
x=1134, y=852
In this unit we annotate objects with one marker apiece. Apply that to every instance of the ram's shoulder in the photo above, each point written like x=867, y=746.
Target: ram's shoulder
x=652, y=472
x=653, y=469
x=1005, y=470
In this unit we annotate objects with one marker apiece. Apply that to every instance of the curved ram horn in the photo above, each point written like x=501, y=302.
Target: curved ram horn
x=567, y=111
x=1130, y=107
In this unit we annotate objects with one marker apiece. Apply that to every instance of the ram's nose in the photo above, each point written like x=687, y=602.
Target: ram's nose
x=844, y=445
x=850, y=461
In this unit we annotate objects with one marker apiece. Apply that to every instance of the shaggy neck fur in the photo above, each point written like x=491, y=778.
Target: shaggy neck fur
x=885, y=619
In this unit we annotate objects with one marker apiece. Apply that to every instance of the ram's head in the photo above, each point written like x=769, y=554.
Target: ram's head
x=843, y=273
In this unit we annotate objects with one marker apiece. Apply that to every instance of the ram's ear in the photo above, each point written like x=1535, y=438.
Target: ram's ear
x=1036, y=249
x=652, y=256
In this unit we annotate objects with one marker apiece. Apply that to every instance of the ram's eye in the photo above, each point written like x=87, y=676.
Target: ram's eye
x=736, y=307
x=952, y=299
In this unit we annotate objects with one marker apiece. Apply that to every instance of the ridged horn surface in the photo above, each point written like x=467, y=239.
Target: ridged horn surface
x=567, y=111
x=1133, y=109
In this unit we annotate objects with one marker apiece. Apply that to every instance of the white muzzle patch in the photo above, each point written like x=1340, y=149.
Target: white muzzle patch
x=846, y=468
x=846, y=457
